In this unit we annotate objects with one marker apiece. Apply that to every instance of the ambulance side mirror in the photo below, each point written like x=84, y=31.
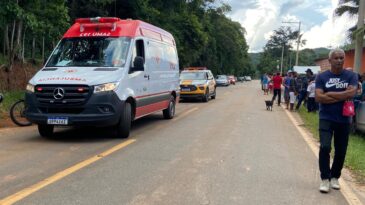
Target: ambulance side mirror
x=138, y=64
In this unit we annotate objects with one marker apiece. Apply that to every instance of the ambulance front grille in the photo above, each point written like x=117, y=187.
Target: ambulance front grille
x=62, y=94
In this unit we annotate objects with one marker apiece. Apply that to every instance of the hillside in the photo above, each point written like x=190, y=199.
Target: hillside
x=307, y=56
x=321, y=52
x=255, y=59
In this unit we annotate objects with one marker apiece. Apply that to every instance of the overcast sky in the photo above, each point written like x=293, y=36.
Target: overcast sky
x=261, y=17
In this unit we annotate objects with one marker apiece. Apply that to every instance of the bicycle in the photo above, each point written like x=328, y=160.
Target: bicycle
x=17, y=113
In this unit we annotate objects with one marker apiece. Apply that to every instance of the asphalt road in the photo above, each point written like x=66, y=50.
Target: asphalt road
x=227, y=151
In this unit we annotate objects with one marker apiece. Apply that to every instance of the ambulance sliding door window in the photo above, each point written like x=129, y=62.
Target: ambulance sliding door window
x=138, y=50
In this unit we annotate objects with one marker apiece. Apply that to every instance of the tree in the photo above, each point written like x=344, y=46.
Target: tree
x=32, y=19
x=350, y=7
x=282, y=39
x=204, y=35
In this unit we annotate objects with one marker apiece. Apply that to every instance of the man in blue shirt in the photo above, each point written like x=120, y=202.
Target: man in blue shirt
x=333, y=88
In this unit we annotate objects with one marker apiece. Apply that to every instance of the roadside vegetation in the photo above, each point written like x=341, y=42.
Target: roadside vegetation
x=282, y=44
x=355, y=159
x=9, y=99
x=204, y=35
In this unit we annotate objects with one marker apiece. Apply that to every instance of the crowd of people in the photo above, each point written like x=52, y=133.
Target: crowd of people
x=298, y=89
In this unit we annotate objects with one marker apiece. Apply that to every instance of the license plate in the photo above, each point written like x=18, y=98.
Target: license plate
x=185, y=89
x=57, y=121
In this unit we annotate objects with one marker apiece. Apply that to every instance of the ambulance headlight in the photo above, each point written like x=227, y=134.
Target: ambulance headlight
x=105, y=87
x=30, y=88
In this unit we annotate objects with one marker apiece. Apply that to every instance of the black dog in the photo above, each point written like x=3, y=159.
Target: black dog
x=268, y=104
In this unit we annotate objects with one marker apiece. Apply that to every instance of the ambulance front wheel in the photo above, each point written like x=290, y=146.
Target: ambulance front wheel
x=124, y=126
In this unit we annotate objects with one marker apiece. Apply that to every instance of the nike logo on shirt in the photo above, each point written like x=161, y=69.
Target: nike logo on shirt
x=340, y=84
x=328, y=85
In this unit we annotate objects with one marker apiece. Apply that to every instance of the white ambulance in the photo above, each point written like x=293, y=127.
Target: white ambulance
x=105, y=72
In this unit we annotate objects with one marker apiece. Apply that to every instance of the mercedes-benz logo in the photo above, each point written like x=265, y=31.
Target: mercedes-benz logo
x=58, y=93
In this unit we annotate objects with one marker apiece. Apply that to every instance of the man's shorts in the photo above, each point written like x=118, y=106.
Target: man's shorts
x=291, y=97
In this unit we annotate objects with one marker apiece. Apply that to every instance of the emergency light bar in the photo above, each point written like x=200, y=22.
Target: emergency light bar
x=98, y=20
x=107, y=22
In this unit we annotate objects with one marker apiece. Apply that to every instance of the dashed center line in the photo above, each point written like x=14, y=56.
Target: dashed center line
x=58, y=176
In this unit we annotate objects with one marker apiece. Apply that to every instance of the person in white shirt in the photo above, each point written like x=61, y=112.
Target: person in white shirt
x=311, y=103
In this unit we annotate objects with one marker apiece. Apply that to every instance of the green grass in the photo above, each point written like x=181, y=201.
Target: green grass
x=9, y=99
x=311, y=121
x=355, y=157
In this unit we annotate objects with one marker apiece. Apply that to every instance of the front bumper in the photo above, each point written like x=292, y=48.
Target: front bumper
x=192, y=95
x=101, y=109
x=198, y=93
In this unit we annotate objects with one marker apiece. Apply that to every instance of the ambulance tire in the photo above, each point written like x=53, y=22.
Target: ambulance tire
x=45, y=131
x=206, y=96
x=169, y=112
x=124, y=126
x=214, y=94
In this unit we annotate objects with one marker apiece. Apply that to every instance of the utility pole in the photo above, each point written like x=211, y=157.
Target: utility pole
x=298, y=40
x=359, y=38
x=298, y=43
x=282, y=56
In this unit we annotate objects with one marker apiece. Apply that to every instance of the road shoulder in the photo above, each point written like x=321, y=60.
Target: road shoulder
x=352, y=191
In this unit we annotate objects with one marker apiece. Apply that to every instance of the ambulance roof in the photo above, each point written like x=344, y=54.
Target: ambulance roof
x=115, y=27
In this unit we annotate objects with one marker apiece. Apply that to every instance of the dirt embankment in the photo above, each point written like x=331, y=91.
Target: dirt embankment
x=17, y=77
x=14, y=79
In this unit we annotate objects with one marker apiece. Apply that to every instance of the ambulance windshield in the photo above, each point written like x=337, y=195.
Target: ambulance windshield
x=90, y=52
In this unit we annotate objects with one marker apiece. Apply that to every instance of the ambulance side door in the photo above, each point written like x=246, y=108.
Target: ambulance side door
x=140, y=79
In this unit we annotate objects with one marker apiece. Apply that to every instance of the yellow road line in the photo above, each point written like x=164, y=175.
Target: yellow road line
x=349, y=195
x=185, y=113
x=30, y=190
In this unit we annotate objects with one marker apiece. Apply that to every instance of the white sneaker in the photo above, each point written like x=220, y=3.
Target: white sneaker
x=335, y=184
x=325, y=186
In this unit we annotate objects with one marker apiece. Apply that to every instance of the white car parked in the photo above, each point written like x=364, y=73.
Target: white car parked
x=222, y=80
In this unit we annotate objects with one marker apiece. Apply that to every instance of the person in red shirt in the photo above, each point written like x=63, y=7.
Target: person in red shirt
x=277, y=81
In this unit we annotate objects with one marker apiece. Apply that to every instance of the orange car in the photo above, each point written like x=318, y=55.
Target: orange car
x=232, y=79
